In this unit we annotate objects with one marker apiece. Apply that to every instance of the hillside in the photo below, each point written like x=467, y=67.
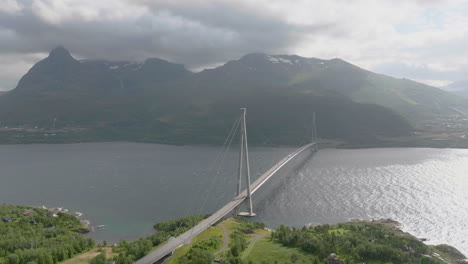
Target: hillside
x=459, y=88
x=462, y=93
x=417, y=102
x=456, y=86
x=62, y=91
x=159, y=101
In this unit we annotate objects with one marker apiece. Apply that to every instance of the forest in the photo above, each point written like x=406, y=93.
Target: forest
x=38, y=236
x=356, y=242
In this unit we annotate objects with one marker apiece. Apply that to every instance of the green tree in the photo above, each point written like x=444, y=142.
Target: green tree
x=12, y=259
x=294, y=257
x=200, y=256
x=99, y=259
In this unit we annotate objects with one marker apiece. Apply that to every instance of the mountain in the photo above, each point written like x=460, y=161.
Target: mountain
x=75, y=92
x=61, y=74
x=2, y=92
x=137, y=75
x=456, y=86
x=159, y=101
x=415, y=101
x=459, y=88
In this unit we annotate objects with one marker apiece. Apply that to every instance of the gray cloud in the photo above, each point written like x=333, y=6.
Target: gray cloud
x=200, y=33
x=193, y=36
x=420, y=72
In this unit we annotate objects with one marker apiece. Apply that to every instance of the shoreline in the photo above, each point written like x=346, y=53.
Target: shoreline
x=381, y=235
x=444, y=252
x=322, y=145
x=453, y=252
x=85, y=223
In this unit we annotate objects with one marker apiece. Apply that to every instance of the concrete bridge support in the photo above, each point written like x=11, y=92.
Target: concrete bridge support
x=244, y=157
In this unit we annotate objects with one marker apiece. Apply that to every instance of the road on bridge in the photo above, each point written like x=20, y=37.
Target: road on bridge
x=174, y=243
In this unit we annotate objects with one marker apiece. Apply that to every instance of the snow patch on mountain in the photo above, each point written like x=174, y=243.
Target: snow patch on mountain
x=274, y=59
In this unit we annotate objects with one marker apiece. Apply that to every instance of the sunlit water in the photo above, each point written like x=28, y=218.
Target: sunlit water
x=128, y=187
x=424, y=189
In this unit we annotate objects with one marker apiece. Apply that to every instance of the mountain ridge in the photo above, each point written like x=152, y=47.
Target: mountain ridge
x=409, y=98
x=459, y=88
x=160, y=101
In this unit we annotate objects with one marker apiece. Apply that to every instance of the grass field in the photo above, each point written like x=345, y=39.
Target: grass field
x=212, y=231
x=85, y=258
x=260, y=249
x=230, y=224
x=338, y=231
x=266, y=251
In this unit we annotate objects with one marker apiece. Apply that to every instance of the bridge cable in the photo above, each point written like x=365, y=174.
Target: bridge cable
x=222, y=149
x=262, y=135
x=229, y=140
x=219, y=159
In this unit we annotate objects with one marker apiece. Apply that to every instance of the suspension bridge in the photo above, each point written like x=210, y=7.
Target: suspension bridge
x=242, y=197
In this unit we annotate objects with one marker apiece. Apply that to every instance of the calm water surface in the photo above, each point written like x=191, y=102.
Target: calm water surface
x=128, y=186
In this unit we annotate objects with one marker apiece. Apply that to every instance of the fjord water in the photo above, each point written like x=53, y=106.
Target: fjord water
x=127, y=187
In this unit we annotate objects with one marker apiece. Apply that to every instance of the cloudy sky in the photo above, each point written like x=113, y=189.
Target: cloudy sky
x=424, y=40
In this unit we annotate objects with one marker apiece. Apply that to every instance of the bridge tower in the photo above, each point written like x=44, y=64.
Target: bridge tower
x=244, y=157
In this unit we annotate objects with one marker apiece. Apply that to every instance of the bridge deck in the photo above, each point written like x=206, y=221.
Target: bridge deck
x=172, y=244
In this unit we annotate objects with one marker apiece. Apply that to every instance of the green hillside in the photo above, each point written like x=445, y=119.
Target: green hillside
x=419, y=103
x=459, y=88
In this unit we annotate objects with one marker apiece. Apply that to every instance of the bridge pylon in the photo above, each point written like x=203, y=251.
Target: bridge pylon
x=244, y=157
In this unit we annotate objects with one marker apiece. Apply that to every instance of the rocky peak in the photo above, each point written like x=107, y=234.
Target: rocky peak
x=60, y=55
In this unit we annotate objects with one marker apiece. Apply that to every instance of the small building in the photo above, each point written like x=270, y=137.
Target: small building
x=28, y=212
x=50, y=214
x=7, y=219
x=217, y=260
x=110, y=262
x=333, y=260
